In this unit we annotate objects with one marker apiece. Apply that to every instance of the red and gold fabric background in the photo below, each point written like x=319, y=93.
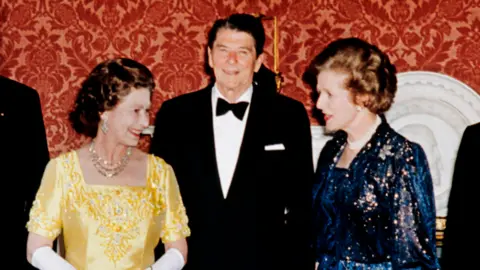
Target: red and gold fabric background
x=51, y=45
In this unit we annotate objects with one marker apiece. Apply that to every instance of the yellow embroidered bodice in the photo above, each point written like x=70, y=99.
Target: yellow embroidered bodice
x=108, y=227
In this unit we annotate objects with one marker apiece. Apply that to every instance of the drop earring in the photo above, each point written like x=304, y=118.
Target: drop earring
x=104, y=126
x=358, y=107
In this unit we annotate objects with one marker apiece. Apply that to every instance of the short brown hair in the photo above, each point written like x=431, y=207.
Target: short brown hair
x=371, y=74
x=104, y=87
x=240, y=22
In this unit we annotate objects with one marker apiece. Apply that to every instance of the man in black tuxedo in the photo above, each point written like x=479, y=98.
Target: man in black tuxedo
x=24, y=156
x=461, y=237
x=242, y=155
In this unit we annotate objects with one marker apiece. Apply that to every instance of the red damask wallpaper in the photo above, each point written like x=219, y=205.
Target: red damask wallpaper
x=51, y=45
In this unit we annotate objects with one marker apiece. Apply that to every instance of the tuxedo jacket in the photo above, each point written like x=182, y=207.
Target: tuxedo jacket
x=461, y=237
x=264, y=221
x=24, y=155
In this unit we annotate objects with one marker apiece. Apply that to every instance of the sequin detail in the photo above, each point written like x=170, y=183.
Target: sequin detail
x=379, y=213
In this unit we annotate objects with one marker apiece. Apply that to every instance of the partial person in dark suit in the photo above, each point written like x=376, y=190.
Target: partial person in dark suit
x=24, y=154
x=461, y=236
x=243, y=158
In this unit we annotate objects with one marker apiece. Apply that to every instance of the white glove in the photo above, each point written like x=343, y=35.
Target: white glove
x=171, y=260
x=44, y=258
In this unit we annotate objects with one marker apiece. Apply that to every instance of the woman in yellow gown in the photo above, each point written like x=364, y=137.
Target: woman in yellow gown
x=112, y=202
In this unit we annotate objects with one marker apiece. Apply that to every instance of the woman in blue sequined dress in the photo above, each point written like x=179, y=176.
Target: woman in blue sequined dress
x=373, y=194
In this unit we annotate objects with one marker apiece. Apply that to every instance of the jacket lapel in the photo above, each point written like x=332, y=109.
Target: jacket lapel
x=206, y=144
x=251, y=147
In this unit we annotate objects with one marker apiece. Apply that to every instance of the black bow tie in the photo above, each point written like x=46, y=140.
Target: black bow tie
x=238, y=109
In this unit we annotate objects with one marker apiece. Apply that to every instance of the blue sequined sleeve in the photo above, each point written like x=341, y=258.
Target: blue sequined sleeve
x=414, y=212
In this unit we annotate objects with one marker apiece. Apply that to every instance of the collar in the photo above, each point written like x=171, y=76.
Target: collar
x=246, y=96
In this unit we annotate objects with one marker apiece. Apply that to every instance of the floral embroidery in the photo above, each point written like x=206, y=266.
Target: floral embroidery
x=118, y=212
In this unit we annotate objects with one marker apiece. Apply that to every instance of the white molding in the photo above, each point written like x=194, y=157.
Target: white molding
x=433, y=109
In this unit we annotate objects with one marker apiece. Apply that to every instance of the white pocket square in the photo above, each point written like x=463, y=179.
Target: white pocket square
x=273, y=147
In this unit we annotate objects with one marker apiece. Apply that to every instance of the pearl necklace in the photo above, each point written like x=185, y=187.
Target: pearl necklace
x=366, y=137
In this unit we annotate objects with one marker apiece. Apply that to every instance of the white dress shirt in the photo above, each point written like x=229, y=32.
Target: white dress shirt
x=228, y=133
